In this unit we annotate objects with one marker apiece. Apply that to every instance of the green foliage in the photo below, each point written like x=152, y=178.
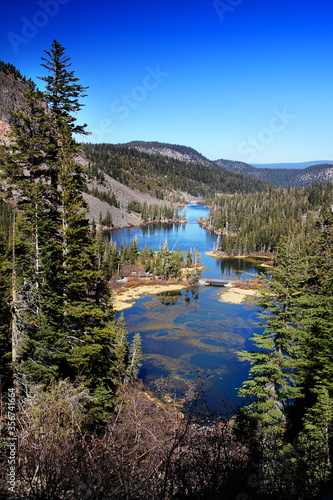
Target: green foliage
x=273, y=373
x=5, y=286
x=135, y=353
x=121, y=349
x=153, y=212
x=189, y=259
x=108, y=197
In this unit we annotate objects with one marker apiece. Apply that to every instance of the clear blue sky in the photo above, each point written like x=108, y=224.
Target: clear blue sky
x=248, y=80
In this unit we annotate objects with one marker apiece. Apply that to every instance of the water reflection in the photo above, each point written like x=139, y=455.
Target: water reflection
x=235, y=267
x=169, y=298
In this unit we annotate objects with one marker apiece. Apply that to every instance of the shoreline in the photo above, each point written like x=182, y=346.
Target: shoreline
x=125, y=298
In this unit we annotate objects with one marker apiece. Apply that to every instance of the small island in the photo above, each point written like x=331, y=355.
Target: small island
x=132, y=273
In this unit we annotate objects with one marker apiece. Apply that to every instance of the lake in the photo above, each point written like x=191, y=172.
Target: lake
x=189, y=332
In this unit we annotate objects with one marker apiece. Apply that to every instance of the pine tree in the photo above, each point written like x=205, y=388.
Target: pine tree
x=36, y=243
x=60, y=323
x=133, y=251
x=274, y=369
x=290, y=388
x=62, y=89
x=315, y=411
x=86, y=313
x=121, y=349
x=189, y=259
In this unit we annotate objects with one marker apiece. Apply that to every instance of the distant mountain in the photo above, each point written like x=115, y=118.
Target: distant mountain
x=283, y=177
x=297, y=165
x=238, y=167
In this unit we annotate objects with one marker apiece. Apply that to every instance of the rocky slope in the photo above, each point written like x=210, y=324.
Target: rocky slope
x=120, y=216
x=11, y=99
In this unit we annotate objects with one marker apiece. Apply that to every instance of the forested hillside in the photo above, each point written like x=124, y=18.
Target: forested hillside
x=289, y=394
x=161, y=175
x=257, y=222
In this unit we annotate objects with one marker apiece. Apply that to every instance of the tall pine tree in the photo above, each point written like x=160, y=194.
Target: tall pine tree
x=273, y=375
x=61, y=321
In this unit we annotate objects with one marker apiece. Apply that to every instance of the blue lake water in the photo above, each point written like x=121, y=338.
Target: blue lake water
x=192, y=331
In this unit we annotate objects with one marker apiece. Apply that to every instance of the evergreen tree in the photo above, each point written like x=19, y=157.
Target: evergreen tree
x=5, y=312
x=290, y=386
x=85, y=311
x=107, y=221
x=133, y=251
x=61, y=320
x=189, y=259
x=36, y=244
x=315, y=410
x=62, y=89
x=274, y=366
x=121, y=349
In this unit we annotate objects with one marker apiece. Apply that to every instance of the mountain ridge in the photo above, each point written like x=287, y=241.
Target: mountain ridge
x=12, y=86
x=292, y=165
x=283, y=177
x=312, y=172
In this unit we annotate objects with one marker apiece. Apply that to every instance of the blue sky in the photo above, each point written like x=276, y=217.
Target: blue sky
x=247, y=80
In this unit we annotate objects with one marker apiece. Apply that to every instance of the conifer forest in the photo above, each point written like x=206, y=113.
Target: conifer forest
x=85, y=426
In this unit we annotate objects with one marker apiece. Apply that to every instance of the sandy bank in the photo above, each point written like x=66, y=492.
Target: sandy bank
x=126, y=298
x=232, y=295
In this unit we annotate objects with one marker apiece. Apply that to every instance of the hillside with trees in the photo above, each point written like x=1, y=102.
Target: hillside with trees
x=257, y=222
x=162, y=176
